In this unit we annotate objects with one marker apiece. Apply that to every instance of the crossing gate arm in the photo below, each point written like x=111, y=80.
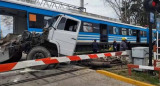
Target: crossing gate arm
x=54, y=60
x=130, y=66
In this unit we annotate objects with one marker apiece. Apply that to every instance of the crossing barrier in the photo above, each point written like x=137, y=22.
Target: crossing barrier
x=54, y=60
x=130, y=66
x=155, y=62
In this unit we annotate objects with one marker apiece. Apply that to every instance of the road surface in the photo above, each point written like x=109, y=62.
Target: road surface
x=64, y=75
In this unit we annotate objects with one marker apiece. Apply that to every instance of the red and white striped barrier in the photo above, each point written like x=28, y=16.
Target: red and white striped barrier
x=155, y=62
x=130, y=66
x=54, y=60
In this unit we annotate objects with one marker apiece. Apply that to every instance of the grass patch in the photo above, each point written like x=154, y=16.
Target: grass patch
x=136, y=75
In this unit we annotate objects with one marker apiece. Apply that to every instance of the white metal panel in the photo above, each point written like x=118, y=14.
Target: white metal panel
x=66, y=39
x=146, y=67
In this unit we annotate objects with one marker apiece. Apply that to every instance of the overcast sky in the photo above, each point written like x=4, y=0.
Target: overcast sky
x=94, y=6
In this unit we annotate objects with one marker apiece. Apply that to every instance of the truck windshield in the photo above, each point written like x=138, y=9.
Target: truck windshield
x=54, y=20
x=50, y=22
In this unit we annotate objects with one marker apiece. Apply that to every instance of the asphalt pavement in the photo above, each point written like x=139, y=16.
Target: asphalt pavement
x=64, y=75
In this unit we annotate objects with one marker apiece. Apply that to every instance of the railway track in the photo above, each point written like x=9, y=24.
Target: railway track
x=64, y=75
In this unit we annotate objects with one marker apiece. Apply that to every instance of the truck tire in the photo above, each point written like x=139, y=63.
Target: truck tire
x=38, y=52
x=16, y=57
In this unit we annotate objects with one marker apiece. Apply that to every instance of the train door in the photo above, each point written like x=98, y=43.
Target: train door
x=19, y=19
x=138, y=36
x=103, y=33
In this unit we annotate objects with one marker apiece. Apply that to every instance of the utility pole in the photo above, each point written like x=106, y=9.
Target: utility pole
x=125, y=10
x=81, y=5
x=151, y=6
x=151, y=21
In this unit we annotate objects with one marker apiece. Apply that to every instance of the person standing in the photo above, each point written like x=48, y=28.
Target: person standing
x=114, y=46
x=123, y=45
x=95, y=46
x=129, y=45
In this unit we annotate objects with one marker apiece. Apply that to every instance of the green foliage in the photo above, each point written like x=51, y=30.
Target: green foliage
x=140, y=76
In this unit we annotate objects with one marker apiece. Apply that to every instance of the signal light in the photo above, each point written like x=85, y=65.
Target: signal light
x=152, y=5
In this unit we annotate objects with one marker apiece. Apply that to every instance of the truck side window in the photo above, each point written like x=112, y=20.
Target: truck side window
x=71, y=25
x=61, y=24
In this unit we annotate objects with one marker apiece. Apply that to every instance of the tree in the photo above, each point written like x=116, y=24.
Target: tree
x=129, y=11
x=117, y=6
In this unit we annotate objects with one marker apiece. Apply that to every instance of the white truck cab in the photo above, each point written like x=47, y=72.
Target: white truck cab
x=64, y=33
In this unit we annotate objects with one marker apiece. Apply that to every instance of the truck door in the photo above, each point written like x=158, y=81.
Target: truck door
x=66, y=34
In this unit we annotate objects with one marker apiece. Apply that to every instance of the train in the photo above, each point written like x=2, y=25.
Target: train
x=33, y=18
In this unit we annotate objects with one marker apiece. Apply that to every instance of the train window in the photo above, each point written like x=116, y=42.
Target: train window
x=110, y=30
x=124, y=31
x=87, y=27
x=134, y=32
x=116, y=30
x=90, y=27
x=47, y=21
x=145, y=34
x=130, y=32
x=155, y=34
x=96, y=28
x=36, y=21
x=120, y=31
x=141, y=33
x=127, y=31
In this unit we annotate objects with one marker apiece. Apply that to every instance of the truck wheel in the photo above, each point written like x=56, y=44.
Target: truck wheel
x=16, y=57
x=38, y=53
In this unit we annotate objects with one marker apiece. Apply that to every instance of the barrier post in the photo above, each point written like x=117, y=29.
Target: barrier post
x=129, y=71
x=154, y=63
x=159, y=76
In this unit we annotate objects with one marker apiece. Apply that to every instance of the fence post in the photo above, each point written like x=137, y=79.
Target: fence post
x=129, y=69
x=154, y=63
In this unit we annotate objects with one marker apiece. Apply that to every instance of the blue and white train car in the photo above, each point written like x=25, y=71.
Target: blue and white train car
x=30, y=17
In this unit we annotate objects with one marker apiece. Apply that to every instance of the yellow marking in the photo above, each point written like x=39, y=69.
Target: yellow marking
x=124, y=79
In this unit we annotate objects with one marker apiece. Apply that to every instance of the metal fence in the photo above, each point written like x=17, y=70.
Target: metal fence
x=53, y=4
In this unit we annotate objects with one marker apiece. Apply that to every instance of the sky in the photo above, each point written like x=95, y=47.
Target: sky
x=94, y=6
